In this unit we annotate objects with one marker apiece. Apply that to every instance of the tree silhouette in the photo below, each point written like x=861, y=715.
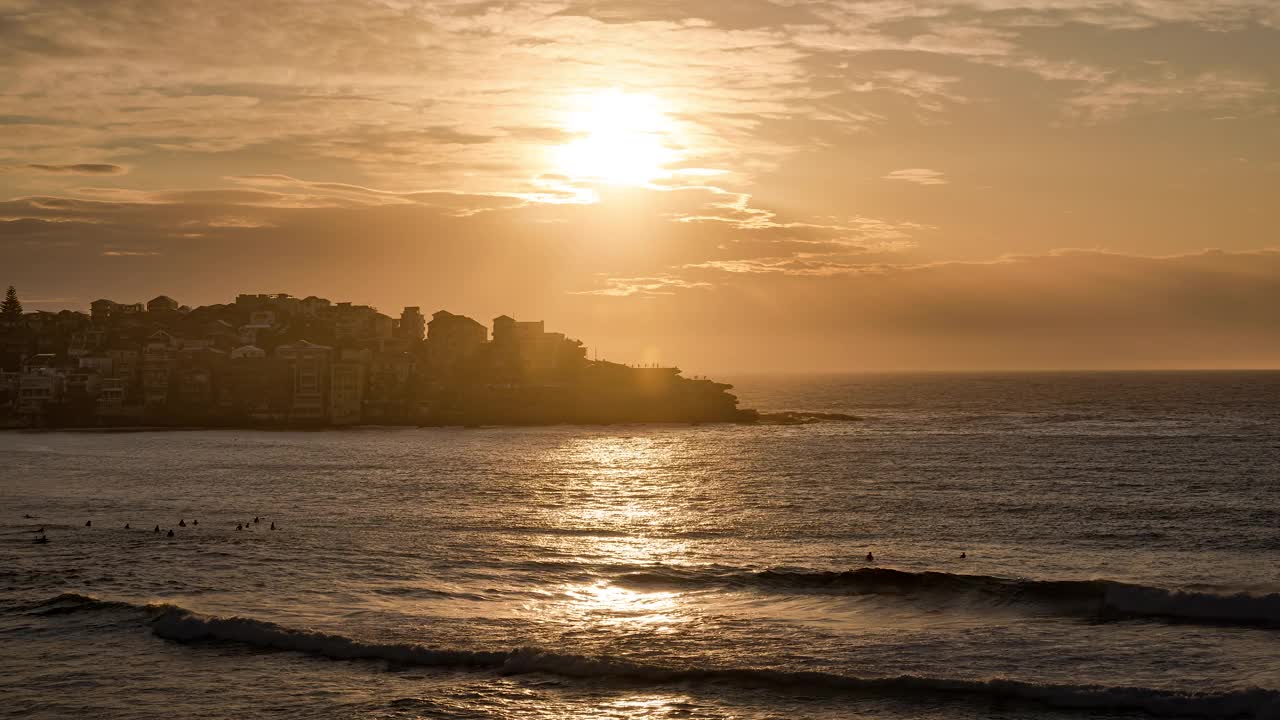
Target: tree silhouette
x=11, y=308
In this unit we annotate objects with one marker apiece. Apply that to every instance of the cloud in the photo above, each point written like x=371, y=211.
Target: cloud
x=1209, y=90
x=645, y=287
x=79, y=169
x=379, y=146
x=919, y=176
x=1066, y=309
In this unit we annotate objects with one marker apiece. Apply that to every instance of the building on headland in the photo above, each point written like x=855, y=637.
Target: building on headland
x=452, y=339
x=389, y=391
x=309, y=371
x=126, y=366
x=99, y=364
x=252, y=334
x=85, y=342
x=527, y=348
x=255, y=387
x=112, y=393
x=100, y=310
x=105, y=310
x=347, y=382
x=313, y=306
x=158, y=363
x=197, y=375
x=412, y=326
x=40, y=386
x=272, y=358
x=82, y=384
x=162, y=303
x=38, y=389
x=221, y=334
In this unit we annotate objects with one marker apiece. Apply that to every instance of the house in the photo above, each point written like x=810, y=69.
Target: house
x=158, y=364
x=413, y=326
x=112, y=393
x=453, y=338
x=100, y=310
x=196, y=379
x=309, y=372
x=255, y=386
x=162, y=303
x=528, y=348
x=38, y=388
x=253, y=334
x=347, y=383
x=100, y=364
x=312, y=306
x=221, y=334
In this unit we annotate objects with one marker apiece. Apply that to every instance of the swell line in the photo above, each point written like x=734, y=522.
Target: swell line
x=180, y=625
x=1104, y=599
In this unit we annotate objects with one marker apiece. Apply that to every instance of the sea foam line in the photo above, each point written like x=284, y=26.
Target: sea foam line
x=184, y=626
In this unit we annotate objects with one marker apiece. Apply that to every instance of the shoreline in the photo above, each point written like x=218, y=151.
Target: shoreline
x=132, y=429
x=755, y=418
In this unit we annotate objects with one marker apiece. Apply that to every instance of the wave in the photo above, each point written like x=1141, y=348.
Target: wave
x=71, y=602
x=804, y=417
x=1102, y=599
x=184, y=626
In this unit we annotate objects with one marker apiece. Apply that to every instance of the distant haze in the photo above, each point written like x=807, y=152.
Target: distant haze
x=727, y=186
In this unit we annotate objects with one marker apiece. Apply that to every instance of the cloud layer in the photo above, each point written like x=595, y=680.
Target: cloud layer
x=876, y=181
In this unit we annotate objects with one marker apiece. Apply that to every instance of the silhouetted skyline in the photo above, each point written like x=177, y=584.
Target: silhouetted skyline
x=276, y=359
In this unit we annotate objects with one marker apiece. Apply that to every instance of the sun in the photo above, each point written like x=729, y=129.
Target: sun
x=621, y=138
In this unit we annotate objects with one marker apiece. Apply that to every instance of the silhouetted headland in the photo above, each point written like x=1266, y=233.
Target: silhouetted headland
x=278, y=360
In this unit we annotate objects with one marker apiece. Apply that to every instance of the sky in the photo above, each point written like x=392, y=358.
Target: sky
x=725, y=185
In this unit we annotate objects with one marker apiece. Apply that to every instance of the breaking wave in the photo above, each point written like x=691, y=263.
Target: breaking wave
x=184, y=626
x=1105, y=599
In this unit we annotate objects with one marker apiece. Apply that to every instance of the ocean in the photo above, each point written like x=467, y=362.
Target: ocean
x=1120, y=533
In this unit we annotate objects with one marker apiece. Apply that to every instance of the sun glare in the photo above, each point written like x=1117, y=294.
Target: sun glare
x=622, y=139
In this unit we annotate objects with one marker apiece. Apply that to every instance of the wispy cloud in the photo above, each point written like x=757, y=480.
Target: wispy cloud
x=78, y=169
x=642, y=286
x=919, y=176
x=1169, y=90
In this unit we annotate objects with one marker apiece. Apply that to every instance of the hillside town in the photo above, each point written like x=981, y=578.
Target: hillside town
x=275, y=359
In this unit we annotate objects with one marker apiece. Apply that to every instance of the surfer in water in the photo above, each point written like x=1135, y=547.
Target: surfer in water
x=870, y=558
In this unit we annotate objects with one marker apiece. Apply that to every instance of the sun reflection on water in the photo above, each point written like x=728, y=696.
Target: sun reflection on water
x=624, y=502
x=647, y=705
x=607, y=604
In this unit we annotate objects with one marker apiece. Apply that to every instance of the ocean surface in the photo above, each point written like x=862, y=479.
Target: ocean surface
x=1121, y=534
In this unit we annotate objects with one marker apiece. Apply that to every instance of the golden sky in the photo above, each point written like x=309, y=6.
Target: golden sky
x=723, y=184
